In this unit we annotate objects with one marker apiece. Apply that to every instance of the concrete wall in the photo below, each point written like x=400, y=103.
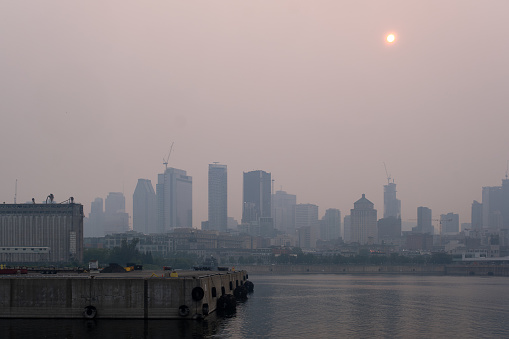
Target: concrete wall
x=125, y=297
x=347, y=269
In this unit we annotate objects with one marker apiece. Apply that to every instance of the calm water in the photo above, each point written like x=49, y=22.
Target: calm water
x=327, y=306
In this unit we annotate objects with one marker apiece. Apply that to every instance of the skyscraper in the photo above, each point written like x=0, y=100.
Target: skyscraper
x=116, y=220
x=174, y=200
x=347, y=228
x=284, y=204
x=144, y=207
x=450, y=223
x=218, y=198
x=363, y=222
x=491, y=207
x=476, y=217
x=392, y=205
x=256, y=196
x=424, y=224
x=331, y=225
x=306, y=215
x=95, y=222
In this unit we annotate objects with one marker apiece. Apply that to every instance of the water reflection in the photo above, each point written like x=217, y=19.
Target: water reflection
x=107, y=328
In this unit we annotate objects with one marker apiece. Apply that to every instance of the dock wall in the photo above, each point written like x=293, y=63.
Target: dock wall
x=113, y=297
x=453, y=269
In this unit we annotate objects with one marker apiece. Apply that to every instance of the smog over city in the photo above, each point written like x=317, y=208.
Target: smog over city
x=94, y=94
x=346, y=160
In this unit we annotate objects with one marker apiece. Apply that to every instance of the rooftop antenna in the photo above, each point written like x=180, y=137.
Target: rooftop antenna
x=507, y=169
x=16, y=189
x=165, y=161
x=388, y=175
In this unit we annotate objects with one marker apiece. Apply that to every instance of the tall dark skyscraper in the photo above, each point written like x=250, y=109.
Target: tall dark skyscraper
x=424, y=224
x=218, y=198
x=476, y=218
x=256, y=196
x=174, y=192
x=144, y=207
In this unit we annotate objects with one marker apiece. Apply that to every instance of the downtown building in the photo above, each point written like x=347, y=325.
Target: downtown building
x=257, y=204
x=450, y=223
x=41, y=233
x=283, y=211
x=330, y=226
x=389, y=227
x=495, y=206
x=218, y=198
x=307, y=225
x=174, y=200
x=424, y=221
x=144, y=207
x=93, y=226
x=116, y=220
x=363, y=222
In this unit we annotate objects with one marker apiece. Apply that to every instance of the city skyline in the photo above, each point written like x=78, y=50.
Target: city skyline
x=309, y=91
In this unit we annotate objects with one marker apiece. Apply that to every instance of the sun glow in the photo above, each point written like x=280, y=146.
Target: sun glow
x=391, y=38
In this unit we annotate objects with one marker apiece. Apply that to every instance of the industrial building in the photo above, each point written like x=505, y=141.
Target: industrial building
x=41, y=233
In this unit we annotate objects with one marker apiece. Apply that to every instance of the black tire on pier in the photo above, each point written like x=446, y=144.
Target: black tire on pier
x=240, y=293
x=226, y=305
x=184, y=311
x=249, y=286
x=90, y=312
x=197, y=293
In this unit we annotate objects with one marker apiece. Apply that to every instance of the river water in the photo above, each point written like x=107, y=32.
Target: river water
x=325, y=306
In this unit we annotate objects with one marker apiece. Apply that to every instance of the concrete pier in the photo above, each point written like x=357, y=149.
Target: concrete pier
x=131, y=295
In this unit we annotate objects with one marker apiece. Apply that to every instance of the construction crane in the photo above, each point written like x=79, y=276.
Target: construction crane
x=388, y=175
x=165, y=161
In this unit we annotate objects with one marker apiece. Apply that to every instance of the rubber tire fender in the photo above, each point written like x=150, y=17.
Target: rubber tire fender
x=184, y=311
x=90, y=312
x=197, y=293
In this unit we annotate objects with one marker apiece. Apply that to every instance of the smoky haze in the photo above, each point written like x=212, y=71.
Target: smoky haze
x=94, y=93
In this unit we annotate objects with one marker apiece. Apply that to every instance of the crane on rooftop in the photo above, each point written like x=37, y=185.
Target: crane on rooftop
x=165, y=161
x=388, y=175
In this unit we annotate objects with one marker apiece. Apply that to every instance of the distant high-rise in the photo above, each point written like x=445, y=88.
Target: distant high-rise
x=257, y=196
x=424, y=224
x=174, y=192
x=305, y=215
x=389, y=230
x=450, y=223
x=495, y=205
x=116, y=220
x=363, y=222
x=144, y=207
x=95, y=222
x=218, y=198
x=476, y=218
x=392, y=205
x=331, y=225
x=491, y=207
x=347, y=229
x=284, y=204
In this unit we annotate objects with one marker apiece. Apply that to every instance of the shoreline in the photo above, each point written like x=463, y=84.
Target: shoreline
x=451, y=269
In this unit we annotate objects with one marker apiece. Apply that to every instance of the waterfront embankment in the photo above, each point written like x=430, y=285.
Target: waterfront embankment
x=429, y=269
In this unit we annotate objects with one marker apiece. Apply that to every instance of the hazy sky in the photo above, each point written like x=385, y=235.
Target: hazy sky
x=93, y=93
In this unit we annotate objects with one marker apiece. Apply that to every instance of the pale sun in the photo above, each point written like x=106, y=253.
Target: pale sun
x=391, y=38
